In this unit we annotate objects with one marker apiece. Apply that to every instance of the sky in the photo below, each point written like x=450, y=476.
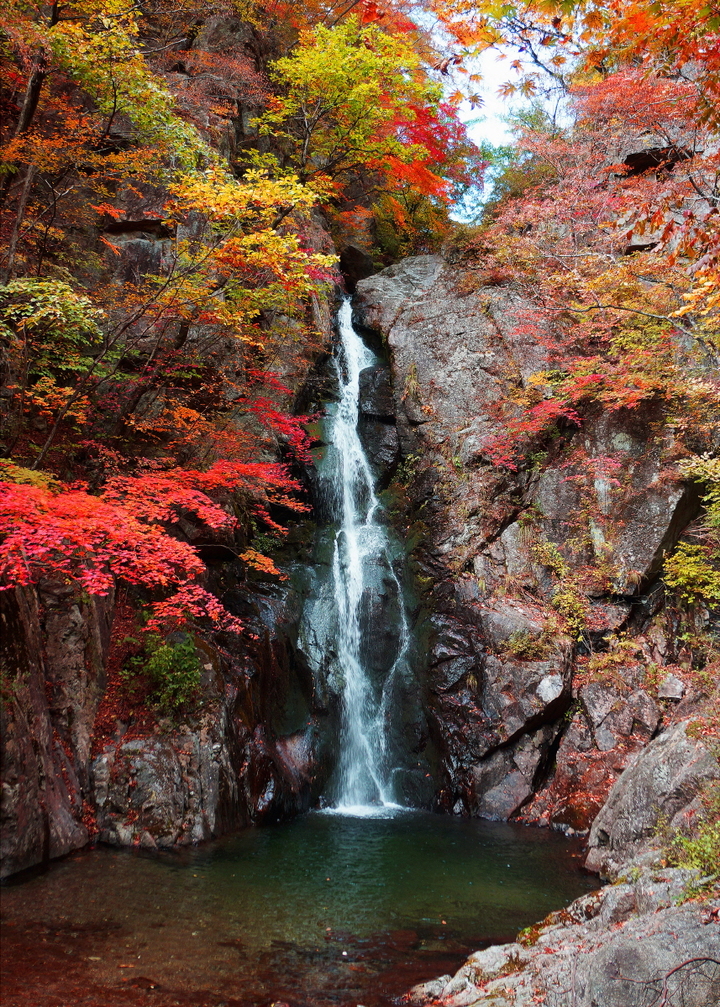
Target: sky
x=487, y=121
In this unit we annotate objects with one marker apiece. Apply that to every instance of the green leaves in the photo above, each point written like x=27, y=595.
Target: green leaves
x=49, y=307
x=173, y=668
x=49, y=328
x=346, y=94
x=693, y=570
x=98, y=48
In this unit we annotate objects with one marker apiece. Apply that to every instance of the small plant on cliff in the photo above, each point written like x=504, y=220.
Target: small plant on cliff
x=411, y=389
x=407, y=469
x=693, y=570
x=622, y=651
x=527, y=646
x=172, y=667
x=568, y=600
x=690, y=573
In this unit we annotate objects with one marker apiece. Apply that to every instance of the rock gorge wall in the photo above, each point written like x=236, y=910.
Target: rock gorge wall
x=523, y=729
x=81, y=761
x=640, y=941
x=598, y=734
x=78, y=765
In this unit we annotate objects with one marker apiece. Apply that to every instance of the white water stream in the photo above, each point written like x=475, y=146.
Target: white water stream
x=362, y=548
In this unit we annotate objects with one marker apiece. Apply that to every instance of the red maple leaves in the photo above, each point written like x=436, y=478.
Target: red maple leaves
x=130, y=532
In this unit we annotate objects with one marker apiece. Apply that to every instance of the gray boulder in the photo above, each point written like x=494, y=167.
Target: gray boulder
x=660, y=784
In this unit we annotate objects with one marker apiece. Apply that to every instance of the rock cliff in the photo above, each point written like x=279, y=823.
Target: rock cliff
x=538, y=687
x=637, y=942
x=543, y=615
x=78, y=764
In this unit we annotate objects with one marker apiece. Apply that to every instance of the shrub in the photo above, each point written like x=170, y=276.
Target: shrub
x=172, y=667
x=702, y=850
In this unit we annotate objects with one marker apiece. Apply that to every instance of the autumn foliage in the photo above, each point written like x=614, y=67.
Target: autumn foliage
x=163, y=268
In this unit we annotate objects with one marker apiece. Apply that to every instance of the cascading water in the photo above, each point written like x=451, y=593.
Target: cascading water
x=362, y=555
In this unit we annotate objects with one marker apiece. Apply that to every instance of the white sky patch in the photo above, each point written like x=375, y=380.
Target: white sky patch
x=486, y=122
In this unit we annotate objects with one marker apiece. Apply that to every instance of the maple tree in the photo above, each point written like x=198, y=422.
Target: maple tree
x=141, y=397
x=348, y=100
x=358, y=117
x=51, y=531
x=90, y=112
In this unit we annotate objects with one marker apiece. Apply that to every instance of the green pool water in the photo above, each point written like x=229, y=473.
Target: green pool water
x=327, y=909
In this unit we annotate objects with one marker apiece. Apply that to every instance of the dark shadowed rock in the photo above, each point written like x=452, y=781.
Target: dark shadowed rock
x=376, y=393
x=355, y=265
x=504, y=782
x=514, y=693
x=163, y=792
x=382, y=447
x=461, y=354
x=52, y=684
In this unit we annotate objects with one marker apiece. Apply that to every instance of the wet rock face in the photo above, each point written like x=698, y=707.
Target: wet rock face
x=52, y=682
x=355, y=265
x=376, y=423
x=248, y=754
x=607, y=724
x=452, y=354
x=627, y=945
x=456, y=357
x=76, y=641
x=496, y=712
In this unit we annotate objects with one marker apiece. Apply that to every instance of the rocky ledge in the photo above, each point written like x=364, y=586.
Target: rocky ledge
x=534, y=714
x=627, y=945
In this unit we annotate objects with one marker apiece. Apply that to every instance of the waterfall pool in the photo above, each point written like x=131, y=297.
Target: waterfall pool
x=330, y=910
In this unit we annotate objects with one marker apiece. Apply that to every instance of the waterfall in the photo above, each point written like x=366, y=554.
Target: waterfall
x=361, y=559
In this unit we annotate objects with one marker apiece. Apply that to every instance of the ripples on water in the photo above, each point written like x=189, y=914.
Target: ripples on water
x=327, y=910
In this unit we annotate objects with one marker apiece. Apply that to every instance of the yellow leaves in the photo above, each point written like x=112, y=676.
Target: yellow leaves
x=528, y=87
x=244, y=263
x=97, y=48
x=225, y=200
x=704, y=297
x=507, y=89
x=539, y=379
x=349, y=97
x=45, y=398
x=593, y=20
